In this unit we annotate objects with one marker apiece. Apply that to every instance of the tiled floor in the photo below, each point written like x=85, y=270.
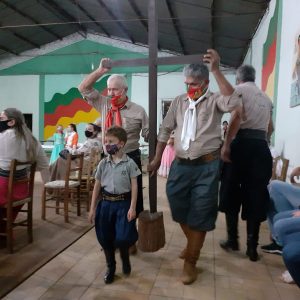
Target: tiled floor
x=50, y=237
x=77, y=272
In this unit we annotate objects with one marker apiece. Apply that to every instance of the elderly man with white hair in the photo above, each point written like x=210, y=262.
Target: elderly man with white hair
x=117, y=109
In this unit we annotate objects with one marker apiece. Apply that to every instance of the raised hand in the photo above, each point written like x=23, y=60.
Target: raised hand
x=105, y=64
x=213, y=59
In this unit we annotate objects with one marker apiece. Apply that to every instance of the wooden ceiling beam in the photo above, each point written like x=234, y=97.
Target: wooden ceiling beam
x=168, y=60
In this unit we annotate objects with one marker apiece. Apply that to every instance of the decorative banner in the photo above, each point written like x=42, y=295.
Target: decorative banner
x=69, y=108
x=295, y=86
x=269, y=56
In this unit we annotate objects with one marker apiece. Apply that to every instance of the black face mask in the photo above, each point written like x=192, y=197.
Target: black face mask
x=88, y=134
x=4, y=126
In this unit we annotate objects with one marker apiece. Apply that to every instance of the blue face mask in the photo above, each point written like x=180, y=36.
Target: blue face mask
x=112, y=149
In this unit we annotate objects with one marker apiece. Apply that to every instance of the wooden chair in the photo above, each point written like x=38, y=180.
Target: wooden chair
x=88, y=179
x=8, y=208
x=283, y=172
x=63, y=191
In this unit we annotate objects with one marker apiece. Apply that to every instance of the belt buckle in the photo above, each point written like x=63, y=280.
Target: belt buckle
x=208, y=157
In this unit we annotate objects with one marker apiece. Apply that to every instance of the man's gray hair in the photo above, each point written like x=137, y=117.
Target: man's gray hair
x=245, y=73
x=198, y=71
x=120, y=78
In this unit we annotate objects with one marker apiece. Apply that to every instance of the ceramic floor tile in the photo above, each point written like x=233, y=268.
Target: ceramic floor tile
x=288, y=291
x=199, y=292
x=229, y=294
x=77, y=273
x=100, y=294
x=64, y=291
x=31, y=289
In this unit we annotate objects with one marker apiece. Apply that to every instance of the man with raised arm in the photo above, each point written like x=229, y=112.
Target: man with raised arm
x=192, y=186
x=117, y=109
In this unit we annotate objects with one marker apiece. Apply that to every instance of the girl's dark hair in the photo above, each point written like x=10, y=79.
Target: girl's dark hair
x=96, y=127
x=73, y=126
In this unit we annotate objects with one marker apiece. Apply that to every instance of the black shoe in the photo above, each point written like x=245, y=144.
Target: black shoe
x=273, y=248
x=252, y=254
x=230, y=245
x=126, y=268
x=109, y=276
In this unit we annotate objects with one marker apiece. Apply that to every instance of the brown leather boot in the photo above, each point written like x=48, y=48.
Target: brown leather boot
x=195, y=243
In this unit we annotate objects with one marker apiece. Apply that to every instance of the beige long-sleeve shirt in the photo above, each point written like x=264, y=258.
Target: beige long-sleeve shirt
x=208, y=131
x=134, y=118
x=257, y=107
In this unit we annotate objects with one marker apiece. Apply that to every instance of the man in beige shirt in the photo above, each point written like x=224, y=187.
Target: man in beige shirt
x=192, y=186
x=248, y=164
x=117, y=109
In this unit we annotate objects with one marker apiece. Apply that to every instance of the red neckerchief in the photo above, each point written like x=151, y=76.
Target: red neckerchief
x=115, y=109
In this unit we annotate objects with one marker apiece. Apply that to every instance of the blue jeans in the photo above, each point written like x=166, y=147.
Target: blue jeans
x=284, y=197
x=291, y=257
x=287, y=232
x=285, y=224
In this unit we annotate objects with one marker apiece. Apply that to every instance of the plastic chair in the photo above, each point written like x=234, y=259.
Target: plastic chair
x=63, y=191
x=8, y=209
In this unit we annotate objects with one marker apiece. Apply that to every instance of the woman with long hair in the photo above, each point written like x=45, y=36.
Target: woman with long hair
x=59, y=143
x=71, y=137
x=17, y=142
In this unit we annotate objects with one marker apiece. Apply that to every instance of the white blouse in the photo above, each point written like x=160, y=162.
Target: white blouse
x=11, y=148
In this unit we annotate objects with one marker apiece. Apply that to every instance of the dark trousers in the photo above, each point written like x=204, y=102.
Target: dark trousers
x=112, y=227
x=136, y=156
x=244, y=181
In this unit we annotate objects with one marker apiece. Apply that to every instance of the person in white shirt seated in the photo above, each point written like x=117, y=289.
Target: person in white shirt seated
x=17, y=142
x=58, y=169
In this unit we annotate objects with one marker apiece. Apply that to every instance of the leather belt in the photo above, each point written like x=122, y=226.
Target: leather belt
x=252, y=134
x=200, y=160
x=115, y=197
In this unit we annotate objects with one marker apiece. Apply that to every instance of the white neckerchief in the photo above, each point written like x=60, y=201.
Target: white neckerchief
x=189, y=123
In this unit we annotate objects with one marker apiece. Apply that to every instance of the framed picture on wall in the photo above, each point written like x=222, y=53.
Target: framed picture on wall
x=165, y=104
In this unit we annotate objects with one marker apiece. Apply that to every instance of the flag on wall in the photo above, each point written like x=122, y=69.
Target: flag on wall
x=69, y=108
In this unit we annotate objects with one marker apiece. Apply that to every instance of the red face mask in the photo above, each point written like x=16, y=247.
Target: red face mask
x=115, y=100
x=196, y=93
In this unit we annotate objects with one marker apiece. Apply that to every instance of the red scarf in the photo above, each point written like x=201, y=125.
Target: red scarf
x=115, y=109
